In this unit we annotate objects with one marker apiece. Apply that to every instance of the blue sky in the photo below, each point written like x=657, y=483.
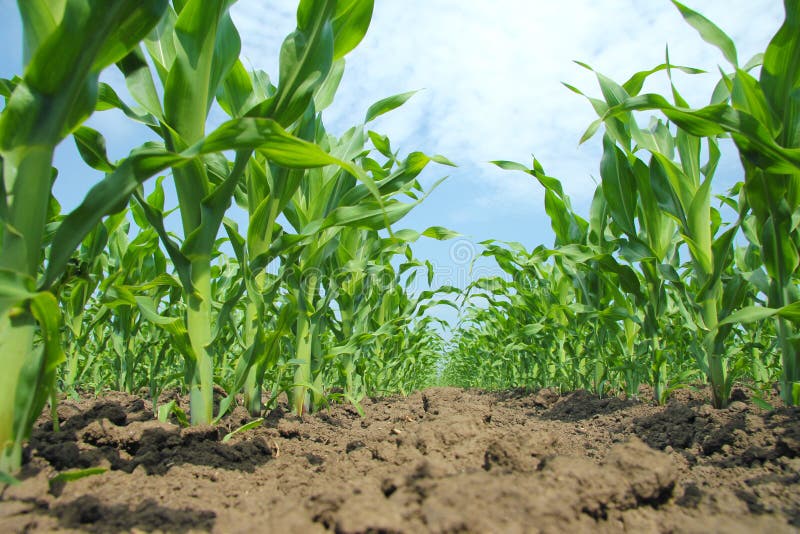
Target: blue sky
x=490, y=77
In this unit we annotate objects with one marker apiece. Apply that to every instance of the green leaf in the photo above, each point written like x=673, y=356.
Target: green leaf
x=666, y=181
x=709, y=32
x=780, y=75
x=434, y=232
x=235, y=95
x=791, y=312
x=441, y=160
x=761, y=403
x=748, y=96
x=131, y=23
x=76, y=474
x=591, y=130
x=658, y=226
x=88, y=39
x=779, y=253
x=532, y=329
x=350, y=23
x=367, y=214
x=619, y=186
x=511, y=166
x=174, y=326
x=107, y=99
x=170, y=408
x=386, y=105
x=635, y=82
x=748, y=314
x=7, y=479
x=267, y=136
x=37, y=377
x=14, y=288
x=440, y=233
x=306, y=58
x=325, y=94
x=699, y=227
x=140, y=83
x=752, y=138
x=92, y=148
x=381, y=143
x=39, y=19
x=249, y=426
x=723, y=251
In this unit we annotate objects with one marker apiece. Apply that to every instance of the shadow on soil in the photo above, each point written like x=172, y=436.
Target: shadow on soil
x=581, y=405
x=728, y=432
x=124, y=434
x=87, y=513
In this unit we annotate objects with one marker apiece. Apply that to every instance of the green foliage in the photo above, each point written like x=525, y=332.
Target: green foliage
x=65, y=50
x=613, y=298
x=137, y=306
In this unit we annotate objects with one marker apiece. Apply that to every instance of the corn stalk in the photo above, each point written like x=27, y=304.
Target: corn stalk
x=66, y=46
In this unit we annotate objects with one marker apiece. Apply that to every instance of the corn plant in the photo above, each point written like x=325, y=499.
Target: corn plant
x=646, y=214
x=762, y=119
x=400, y=343
x=193, y=46
x=195, y=52
x=587, y=252
x=646, y=194
x=66, y=46
x=327, y=201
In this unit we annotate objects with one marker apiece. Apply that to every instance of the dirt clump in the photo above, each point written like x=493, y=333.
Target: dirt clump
x=439, y=460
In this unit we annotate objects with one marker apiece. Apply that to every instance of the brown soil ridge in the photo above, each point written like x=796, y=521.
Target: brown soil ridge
x=441, y=460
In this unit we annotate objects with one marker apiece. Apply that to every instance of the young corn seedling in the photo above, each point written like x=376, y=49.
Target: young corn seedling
x=584, y=255
x=402, y=340
x=327, y=201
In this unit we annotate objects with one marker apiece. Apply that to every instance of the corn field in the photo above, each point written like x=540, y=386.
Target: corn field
x=318, y=296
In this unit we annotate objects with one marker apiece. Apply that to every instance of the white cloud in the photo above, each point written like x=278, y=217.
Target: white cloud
x=492, y=75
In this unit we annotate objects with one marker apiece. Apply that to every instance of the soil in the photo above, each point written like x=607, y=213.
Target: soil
x=439, y=460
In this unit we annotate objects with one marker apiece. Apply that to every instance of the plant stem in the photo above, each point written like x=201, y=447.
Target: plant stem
x=16, y=342
x=302, y=376
x=198, y=322
x=252, y=386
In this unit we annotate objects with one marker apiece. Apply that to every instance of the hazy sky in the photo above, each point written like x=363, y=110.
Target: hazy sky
x=490, y=76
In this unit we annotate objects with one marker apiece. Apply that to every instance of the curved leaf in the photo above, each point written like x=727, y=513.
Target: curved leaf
x=709, y=32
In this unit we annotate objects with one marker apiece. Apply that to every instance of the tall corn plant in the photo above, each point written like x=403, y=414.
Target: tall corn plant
x=320, y=204
x=195, y=51
x=642, y=197
x=762, y=117
x=265, y=193
x=66, y=46
x=774, y=197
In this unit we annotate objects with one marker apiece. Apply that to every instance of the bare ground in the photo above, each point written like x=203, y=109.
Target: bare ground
x=440, y=460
